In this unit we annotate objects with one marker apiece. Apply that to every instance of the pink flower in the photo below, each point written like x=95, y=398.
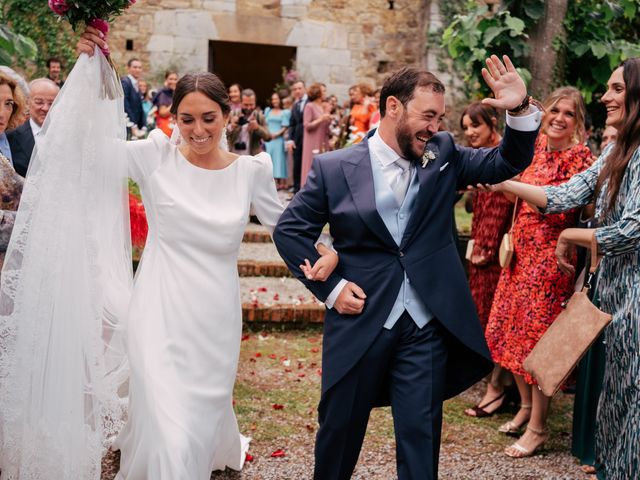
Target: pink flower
x=59, y=7
x=99, y=24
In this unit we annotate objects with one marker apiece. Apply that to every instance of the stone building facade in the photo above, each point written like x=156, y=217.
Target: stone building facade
x=337, y=42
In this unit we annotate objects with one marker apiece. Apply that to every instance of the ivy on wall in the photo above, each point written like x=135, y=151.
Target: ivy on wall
x=34, y=19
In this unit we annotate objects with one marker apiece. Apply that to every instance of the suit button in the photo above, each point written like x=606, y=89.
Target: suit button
x=401, y=253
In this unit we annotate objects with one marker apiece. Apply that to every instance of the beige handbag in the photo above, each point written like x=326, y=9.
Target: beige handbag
x=505, y=252
x=568, y=338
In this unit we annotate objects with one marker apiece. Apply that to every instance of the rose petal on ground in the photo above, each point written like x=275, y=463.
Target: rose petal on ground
x=278, y=453
x=248, y=457
x=277, y=406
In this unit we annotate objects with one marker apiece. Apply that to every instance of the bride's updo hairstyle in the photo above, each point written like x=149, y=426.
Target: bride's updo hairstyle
x=207, y=83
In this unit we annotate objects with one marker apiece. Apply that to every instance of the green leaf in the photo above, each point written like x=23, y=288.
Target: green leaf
x=599, y=50
x=515, y=24
x=492, y=33
x=534, y=10
x=580, y=50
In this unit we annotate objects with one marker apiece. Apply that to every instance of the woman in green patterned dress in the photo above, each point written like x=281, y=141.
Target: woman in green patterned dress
x=614, y=182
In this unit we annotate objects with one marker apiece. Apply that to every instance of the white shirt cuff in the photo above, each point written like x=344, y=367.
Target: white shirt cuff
x=526, y=123
x=333, y=296
x=326, y=240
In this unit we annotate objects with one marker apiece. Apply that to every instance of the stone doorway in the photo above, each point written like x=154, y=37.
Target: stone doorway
x=252, y=65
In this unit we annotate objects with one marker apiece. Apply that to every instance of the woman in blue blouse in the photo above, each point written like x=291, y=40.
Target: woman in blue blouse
x=277, y=121
x=614, y=182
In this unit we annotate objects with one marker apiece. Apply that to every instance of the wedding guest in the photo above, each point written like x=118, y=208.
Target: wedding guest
x=43, y=93
x=163, y=100
x=147, y=105
x=132, y=98
x=296, y=130
x=247, y=128
x=531, y=290
x=361, y=110
x=613, y=181
x=316, y=123
x=54, y=66
x=11, y=108
x=490, y=221
x=609, y=135
x=375, y=116
x=235, y=96
x=278, y=122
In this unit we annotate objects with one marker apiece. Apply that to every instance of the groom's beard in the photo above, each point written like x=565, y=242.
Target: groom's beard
x=406, y=139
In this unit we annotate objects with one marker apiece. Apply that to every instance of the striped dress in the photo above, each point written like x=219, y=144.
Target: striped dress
x=618, y=237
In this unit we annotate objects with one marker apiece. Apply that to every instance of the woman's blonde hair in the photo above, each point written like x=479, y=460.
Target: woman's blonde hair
x=17, y=115
x=573, y=94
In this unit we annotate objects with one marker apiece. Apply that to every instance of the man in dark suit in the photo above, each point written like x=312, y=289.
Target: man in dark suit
x=42, y=93
x=401, y=327
x=296, y=130
x=132, y=98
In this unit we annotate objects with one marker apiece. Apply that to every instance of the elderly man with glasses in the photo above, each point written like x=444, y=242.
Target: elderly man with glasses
x=43, y=92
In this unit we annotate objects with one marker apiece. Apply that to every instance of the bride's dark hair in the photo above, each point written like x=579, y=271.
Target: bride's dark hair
x=206, y=83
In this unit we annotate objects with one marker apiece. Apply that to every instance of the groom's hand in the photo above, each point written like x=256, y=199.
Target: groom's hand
x=351, y=300
x=508, y=87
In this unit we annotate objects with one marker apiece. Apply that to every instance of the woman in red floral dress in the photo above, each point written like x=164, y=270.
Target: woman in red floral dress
x=531, y=290
x=491, y=218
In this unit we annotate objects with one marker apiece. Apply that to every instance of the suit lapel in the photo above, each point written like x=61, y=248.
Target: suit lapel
x=359, y=177
x=427, y=178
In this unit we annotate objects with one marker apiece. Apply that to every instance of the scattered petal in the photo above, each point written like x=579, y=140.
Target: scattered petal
x=258, y=355
x=262, y=289
x=248, y=457
x=245, y=337
x=277, y=406
x=278, y=453
x=315, y=350
x=286, y=363
x=276, y=297
x=272, y=356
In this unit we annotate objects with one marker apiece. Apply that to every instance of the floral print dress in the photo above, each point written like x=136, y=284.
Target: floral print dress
x=618, y=238
x=491, y=218
x=531, y=290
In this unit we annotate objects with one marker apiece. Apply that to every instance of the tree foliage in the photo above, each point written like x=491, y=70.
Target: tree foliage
x=34, y=19
x=599, y=34
x=13, y=45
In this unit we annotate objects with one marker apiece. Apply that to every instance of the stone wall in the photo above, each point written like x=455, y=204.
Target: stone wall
x=338, y=42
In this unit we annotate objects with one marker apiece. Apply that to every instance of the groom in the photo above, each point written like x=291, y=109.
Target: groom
x=401, y=327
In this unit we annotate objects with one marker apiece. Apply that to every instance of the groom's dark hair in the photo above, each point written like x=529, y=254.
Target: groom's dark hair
x=403, y=83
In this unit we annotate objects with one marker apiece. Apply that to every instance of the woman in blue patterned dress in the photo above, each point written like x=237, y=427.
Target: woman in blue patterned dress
x=278, y=122
x=614, y=181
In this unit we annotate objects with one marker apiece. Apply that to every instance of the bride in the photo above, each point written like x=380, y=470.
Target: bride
x=183, y=315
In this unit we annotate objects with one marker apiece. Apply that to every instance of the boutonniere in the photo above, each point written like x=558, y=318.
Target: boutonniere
x=428, y=156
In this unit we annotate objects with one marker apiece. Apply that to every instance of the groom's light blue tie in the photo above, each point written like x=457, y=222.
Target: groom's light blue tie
x=400, y=183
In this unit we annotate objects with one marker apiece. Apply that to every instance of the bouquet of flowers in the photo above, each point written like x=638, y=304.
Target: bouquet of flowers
x=86, y=12
x=96, y=14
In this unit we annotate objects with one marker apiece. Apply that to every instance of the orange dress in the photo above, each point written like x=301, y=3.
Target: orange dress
x=360, y=119
x=531, y=290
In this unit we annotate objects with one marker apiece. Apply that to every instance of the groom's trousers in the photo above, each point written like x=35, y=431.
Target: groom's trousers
x=411, y=363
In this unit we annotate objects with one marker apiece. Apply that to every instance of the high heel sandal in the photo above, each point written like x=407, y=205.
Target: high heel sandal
x=512, y=428
x=518, y=451
x=480, y=411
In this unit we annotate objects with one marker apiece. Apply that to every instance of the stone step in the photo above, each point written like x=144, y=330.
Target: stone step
x=261, y=259
x=266, y=299
x=255, y=233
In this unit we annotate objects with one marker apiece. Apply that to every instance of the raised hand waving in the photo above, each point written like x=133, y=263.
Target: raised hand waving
x=508, y=87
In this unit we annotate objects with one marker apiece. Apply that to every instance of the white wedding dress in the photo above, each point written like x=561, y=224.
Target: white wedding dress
x=185, y=318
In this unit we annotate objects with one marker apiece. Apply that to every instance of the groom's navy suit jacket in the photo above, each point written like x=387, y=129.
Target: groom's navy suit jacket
x=340, y=191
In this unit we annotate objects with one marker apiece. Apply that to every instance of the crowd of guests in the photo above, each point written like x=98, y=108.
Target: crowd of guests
x=516, y=303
